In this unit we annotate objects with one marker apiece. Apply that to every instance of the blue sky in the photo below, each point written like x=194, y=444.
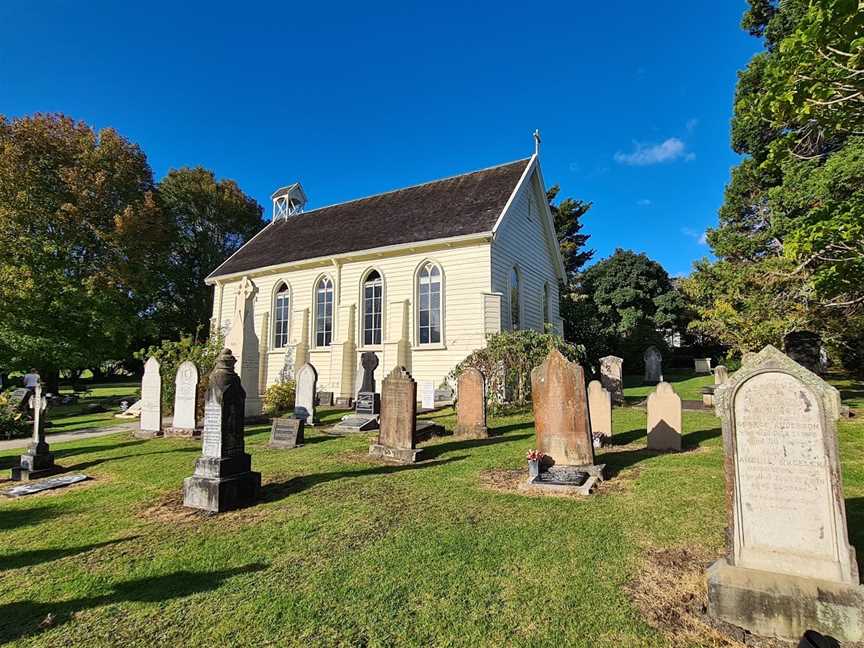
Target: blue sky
x=633, y=98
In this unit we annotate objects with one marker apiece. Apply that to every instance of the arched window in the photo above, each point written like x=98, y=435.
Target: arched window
x=546, y=303
x=323, y=312
x=514, y=299
x=373, y=291
x=281, y=309
x=429, y=304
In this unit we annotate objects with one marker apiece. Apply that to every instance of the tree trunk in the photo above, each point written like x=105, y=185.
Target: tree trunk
x=51, y=380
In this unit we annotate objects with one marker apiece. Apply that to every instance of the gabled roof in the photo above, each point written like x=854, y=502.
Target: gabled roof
x=465, y=204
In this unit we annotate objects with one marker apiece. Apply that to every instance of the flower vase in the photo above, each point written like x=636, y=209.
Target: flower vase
x=533, y=469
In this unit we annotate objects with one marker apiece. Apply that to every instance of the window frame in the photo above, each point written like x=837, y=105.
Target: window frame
x=442, y=292
x=315, y=308
x=361, y=319
x=277, y=294
x=514, y=271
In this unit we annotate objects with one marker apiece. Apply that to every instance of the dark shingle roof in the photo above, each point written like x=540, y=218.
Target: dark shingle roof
x=465, y=204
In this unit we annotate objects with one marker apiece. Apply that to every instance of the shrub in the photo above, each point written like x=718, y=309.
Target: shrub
x=507, y=361
x=12, y=422
x=279, y=398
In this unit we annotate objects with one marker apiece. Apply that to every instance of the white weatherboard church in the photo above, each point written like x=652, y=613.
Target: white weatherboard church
x=420, y=276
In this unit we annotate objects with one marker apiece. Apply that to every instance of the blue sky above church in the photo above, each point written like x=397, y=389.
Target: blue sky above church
x=633, y=99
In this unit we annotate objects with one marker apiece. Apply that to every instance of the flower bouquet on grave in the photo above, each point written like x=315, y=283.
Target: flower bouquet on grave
x=598, y=439
x=535, y=457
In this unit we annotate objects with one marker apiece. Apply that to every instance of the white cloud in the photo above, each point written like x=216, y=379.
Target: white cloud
x=644, y=202
x=645, y=154
x=703, y=238
x=700, y=237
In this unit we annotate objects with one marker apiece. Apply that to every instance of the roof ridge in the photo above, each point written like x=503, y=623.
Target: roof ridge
x=414, y=186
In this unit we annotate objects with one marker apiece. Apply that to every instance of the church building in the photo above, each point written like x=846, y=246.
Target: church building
x=420, y=276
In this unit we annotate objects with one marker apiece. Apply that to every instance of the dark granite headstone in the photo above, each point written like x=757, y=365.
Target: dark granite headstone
x=38, y=461
x=368, y=402
x=286, y=433
x=223, y=478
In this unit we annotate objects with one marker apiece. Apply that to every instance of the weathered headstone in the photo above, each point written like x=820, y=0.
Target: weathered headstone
x=612, y=377
x=427, y=395
x=396, y=437
x=664, y=418
x=38, y=461
x=806, y=348
x=702, y=365
x=185, y=392
x=721, y=374
x=653, y=365
x=368, y=402
x=287, y=433
x=223, y=478
x=44, y=484
x=789, y=566
x=600, y=409
x=150, y=424
x=325, y=399
x=304, y=398
x=471, y=406
x=747, y=357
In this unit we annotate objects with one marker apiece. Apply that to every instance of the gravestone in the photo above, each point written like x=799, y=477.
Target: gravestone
x=664, y=418
x=427, y=395
x=286, y=433
x=653, y=365
x=721, y=374
x=223, y=478
x=612, y=377
x=788, y=566
x=702, y=365
x=150, y=424
x=806, y=348
x=397, y=434
x=37, y=461
x=600, y=409
x=471, y=405
x=368, y=402
x=443, y=394
x=185, y=392
x=325, y=399
x=44, y=484
x=304, y=398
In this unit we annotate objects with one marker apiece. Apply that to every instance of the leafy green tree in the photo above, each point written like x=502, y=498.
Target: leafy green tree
x=80, y=238
x=567, y=215
x=209, y=220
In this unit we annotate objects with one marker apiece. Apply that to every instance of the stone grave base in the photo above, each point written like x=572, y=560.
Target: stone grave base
x=146, y=434
x=425, y=430
x=183, y=433
x=396, y=455
x=20, y=473
x=343, y=402
x=35, y=465
x=355, y=423
x=217, y=494
x=784, y=606
x=581, y=480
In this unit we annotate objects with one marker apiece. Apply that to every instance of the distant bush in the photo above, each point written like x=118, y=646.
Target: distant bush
x=12, y=421
x=507, y=361
x=279, y=398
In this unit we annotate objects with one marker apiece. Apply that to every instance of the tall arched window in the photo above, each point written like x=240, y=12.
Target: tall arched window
x=323, y=312
x=546, y=303
x=281, y=309
x=514, y=299
x=373, y=291
x=429, y=304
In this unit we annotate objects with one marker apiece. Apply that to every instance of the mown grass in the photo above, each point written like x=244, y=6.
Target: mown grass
x=77, y=416
x=686, y=384
x=343, y=551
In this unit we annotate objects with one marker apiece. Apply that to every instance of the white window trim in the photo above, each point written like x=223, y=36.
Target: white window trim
x=415, y=311
x=361, y=311
x=314, y=319
x=275, y=292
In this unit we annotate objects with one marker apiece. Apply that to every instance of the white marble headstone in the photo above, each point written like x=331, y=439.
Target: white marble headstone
x=151, y=397
x=304, y=399
x=186, y=386
x=427, y=394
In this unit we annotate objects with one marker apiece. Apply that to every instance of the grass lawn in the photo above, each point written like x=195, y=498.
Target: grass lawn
x=69, y=418
x=342, y=551
x=686, y=384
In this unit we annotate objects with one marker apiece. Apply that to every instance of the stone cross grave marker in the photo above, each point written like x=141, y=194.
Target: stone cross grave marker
x=223, y=478
x=612, y=377
x=471, y=404
x=653, y=365
x=397, y=439
x=150, y=424
x=368, y=402
x=185, y=392
x=37, y=461
x=600, y=409
x=304, y=398
x=789, y=566
x=664, y=418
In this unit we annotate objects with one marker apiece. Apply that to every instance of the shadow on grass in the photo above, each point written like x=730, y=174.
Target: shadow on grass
x=7, y=463
x=432, y=451
x=95, y=462
x=20, y=517
x=616, y=461
x=625, y=438
x=275, y=491
x=56, y=427
x=693, y=440
x=855, y=522
x=39, y=556
x=22, y=619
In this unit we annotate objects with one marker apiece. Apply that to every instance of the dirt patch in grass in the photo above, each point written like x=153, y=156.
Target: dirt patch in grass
x=169, y=509
x=513, y=481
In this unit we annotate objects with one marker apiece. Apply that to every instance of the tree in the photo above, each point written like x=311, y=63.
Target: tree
x=568, y=228
x=209, y=220
x=80, y=238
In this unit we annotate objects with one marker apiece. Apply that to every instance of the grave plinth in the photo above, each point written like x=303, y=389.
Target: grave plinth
x=223, y=478
x=789, y=566
x=397, y=438
x=38, y=460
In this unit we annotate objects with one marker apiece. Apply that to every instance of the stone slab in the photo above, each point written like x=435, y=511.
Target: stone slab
x=354, y=424
x=395, y=455
x=46, y=484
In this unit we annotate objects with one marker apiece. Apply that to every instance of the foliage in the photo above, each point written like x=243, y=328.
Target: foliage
x=567, y=216
x=171, y=353
x=279, y=398
x=80, y=234
x=209, y=220
x=508, y=358
x=13, y=423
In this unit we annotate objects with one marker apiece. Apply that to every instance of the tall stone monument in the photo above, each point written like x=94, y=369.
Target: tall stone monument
x=471, y=406
x=223, y=478
x=245, y=345
x=150, y=424
x=600, y=409
x=664, y=419
x=653, y=365
x=789, y=566
x=304, y=395
x=397, y=439
x=185, y=393
x=38, y=461
x=612, y=377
